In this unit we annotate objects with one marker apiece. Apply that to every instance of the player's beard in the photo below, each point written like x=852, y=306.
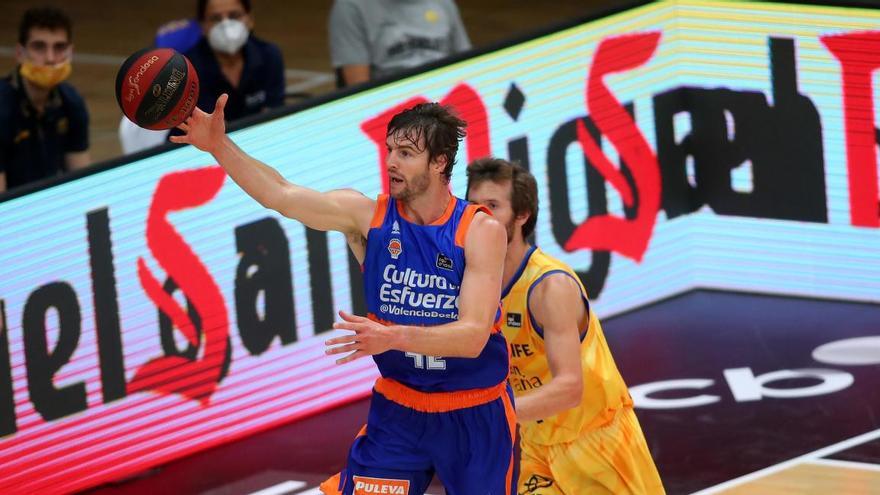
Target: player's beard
x=413, y=188
x=509, y=227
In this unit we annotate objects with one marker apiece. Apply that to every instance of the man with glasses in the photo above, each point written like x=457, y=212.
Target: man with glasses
x=44, y=123
x=230, y=59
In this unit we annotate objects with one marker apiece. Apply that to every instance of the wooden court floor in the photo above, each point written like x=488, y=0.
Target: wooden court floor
x=839, y=469
x=105, y=32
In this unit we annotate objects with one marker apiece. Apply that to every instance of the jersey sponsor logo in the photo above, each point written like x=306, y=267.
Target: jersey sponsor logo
x=395, y=227
x=536, y=482
x=409, y=297
x=521, y=382
x=412, y=293
x=444, y=262
x=384, y=486
x=520, y=350
x=514, y=320
x=395, y=247
x=415, y=279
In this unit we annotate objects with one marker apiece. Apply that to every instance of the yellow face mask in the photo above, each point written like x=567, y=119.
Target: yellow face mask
x=46, y=76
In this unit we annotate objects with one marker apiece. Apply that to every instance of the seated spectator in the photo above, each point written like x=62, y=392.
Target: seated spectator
x=179, y=34
x=44, y=123
x=230, y=59
x=374, y=38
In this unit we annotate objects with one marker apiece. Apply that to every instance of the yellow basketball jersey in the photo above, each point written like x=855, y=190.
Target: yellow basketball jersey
x=604, y=389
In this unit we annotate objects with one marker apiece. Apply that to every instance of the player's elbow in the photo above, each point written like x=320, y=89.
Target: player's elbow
x=574, y=398
x=573, y=393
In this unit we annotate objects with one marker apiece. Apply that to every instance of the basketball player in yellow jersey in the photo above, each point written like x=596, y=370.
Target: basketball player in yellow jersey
x=579, y=433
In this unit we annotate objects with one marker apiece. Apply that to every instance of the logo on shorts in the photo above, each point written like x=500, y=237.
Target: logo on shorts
x=395, y=247
x=514, y=320
x=444, y=262
x=379, y=486
x=536, y=482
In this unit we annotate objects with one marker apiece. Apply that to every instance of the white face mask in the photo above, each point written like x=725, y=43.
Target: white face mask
x=228, y=36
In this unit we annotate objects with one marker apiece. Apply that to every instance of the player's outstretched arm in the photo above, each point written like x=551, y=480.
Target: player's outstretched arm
x=557, y=305
x=346, y=210
x=478, y=301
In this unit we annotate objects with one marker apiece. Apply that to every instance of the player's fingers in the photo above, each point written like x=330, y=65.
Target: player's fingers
x=183, y=127
x=344, y=339
x=351, y=357
x=348, y=325
x=179, y=139
x=342, y=348
x=221, y=104
x=350, y=317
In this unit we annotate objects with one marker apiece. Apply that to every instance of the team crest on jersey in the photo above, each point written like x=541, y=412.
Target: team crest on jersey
x=369, y=486
x=514, y=320
x=444, y=262
x=395, y=247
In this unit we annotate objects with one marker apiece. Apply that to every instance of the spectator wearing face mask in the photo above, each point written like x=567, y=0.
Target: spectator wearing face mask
x=44, y=123
x=230, y=59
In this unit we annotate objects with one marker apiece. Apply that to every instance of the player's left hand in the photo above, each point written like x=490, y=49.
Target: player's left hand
x=369, y=338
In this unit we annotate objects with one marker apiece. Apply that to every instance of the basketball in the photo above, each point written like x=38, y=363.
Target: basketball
x=157, y=88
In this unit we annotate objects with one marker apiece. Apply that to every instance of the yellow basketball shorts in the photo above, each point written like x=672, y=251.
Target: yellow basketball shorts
x=613, y=459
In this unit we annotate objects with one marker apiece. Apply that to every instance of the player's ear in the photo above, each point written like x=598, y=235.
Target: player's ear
x=439, y=164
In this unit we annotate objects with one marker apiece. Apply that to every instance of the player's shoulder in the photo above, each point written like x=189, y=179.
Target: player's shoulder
x=544, y=259
x=479, y=230
x=552, y=274
x=556, y=281
x=482, y=219
x=358, y=205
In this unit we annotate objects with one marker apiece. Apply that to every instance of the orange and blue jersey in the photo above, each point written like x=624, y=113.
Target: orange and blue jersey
x=413, y=276
x=429, y=415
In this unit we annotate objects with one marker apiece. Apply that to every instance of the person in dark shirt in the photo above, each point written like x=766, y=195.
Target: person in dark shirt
x=44, y=123
x=230, y=59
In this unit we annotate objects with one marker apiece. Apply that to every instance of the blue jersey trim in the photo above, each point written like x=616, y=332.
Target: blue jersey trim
x=537, y=328
x=519, y=271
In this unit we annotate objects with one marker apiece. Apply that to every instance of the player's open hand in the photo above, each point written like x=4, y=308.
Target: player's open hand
x=204, y=130
x=369, y=338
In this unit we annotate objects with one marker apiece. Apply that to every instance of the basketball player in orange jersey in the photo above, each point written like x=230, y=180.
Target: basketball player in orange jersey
x=579, y=433
x=432, y=268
